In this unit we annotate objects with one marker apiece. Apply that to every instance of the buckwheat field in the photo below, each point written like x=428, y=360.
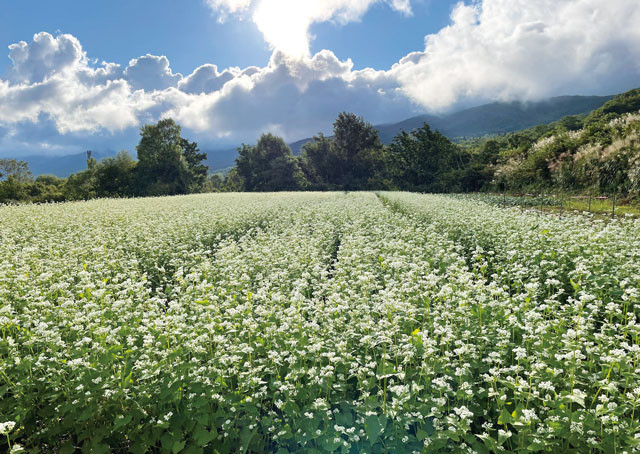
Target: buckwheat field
x=285, y=323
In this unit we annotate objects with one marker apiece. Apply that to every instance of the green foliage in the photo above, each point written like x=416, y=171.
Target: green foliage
x=115, y=177
x=316, y=323
x=621, y=104
x=197, y=171
x=19, y=170
x=598, y=152
x=162, y=167
x=357, y=152
x=168, y=164
x=47, y=188
x=353, y=159
x=268, y=166
x=425, y=161
x=544, y=158
x=319, y=162
x=12, y=190
x=233, y=182
x=81, y=186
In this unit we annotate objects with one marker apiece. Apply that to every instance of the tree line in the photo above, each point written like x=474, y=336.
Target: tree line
x=353, y=159
x=596, y=153
x=599, y=152
x=167, y=164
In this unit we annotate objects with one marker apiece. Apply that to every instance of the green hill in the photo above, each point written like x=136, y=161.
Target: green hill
x=498, y=117
x=599, y=152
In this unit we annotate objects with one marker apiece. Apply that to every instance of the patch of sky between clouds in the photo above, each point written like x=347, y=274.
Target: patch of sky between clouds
x=382, y=37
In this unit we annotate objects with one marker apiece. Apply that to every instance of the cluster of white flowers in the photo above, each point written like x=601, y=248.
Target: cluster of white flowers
x=318, y=321
x=6, y=427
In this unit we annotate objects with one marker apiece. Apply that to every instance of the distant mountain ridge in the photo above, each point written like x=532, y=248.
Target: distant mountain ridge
x=498, y=117
x=489, y=119
x=60, y=166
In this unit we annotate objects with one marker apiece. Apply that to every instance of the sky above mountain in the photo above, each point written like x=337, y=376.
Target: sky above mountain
x=85, y=75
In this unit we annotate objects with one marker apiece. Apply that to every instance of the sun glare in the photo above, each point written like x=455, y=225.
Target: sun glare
x=285, y=25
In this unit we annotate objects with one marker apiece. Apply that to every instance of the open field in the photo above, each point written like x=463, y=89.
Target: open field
x=317, y=322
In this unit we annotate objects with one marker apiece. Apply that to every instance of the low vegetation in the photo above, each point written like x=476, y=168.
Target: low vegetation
x=316, y=322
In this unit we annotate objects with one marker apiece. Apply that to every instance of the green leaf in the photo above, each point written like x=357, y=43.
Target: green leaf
x=372, y=402
x=385, y=368
x=167, y=441
x=505, y=417
x=373, y=428
x=122, y=421
x=246, y=436
x=177, y=446
x=202, y=419
x=67, y=448
x=330, y=444
x=139, y=447
x=100, y=449
x=193, y=450
x=203, y=437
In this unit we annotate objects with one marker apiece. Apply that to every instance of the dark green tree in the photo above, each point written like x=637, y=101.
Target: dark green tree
x=162, y=167
x=318, y=161
x=233, y=182
x=81, y=185
x=115, y=176
x=19, y=170
x=214, y=183
x=13, y=190
x=269, y=166
x=424, y=160
x=357, y=152
x=47, y=188
x=197, y=171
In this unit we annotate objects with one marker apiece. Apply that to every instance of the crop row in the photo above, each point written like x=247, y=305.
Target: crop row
x=317, y=323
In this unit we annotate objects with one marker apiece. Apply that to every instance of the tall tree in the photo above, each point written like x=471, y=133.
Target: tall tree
x=424, y=160
x=319, y=162
x=115, y=176
x=357, y=149
x=268, y=166
x=162, y=168
x=197, y=175
x=19, y=170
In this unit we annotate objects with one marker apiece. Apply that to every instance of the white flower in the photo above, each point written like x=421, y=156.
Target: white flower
x=7, y=427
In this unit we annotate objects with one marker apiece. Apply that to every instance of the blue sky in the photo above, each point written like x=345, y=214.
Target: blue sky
x=189, y=34
x=88, y=74
x=186, y=32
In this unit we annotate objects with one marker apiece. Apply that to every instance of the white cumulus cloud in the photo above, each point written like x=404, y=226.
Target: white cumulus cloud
x=519, y=49
x=294, y=97
x=150, y=73
x=45, y=56
x=207, y=79
x=54, y=97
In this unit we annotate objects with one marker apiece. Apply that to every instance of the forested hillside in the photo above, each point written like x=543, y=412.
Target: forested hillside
x=498, y=117
x=599, y=152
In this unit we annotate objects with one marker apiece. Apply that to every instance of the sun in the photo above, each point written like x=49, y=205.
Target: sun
x=285, y=25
